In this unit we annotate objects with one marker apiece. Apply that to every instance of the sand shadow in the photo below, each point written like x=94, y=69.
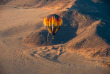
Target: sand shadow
x=99, y=10
x=67, y=32
x=2, y=2
x=104, y=31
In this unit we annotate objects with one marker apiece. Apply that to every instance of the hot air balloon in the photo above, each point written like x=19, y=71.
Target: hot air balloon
x=53, y=23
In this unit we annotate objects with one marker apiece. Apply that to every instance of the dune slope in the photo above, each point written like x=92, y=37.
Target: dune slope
x=26, y=47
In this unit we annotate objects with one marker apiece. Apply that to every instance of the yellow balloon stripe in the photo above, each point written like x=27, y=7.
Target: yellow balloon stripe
x=52, y=20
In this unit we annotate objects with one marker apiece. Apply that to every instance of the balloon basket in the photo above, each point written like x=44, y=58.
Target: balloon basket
x=53, y=37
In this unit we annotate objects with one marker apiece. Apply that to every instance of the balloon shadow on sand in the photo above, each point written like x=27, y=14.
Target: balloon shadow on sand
x=65, y=33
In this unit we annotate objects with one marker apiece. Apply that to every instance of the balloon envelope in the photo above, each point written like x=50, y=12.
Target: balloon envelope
x=53, y=23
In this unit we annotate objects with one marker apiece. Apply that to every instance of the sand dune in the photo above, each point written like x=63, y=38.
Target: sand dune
x=81, y=46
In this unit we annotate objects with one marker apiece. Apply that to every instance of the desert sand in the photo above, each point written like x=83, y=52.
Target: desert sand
x=22, y=50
